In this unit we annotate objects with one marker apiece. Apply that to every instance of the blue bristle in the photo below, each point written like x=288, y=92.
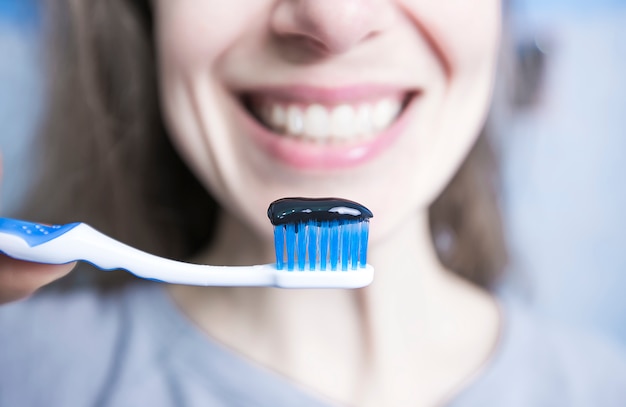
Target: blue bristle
x=323, y=246
x=290, y=237
x=312, y=230
x=301, y=238
x=354, y=244
x=279, y=246
x=345, y=245
x=334, y=244
x=364, y=235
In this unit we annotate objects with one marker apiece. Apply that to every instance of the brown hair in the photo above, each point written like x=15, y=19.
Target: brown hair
x=106, y=158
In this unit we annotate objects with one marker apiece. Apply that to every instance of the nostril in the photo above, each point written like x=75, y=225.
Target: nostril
x=310, y=43
x=330, y=26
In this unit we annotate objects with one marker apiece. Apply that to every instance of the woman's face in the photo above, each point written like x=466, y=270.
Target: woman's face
x=376, y=101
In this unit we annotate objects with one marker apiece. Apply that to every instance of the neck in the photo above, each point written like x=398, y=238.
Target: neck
x=414, y=309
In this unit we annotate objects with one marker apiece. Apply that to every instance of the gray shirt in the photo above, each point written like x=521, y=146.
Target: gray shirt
x=133, y=347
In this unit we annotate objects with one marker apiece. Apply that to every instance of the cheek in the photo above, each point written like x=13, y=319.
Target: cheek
x=192, y=37
x=195, y=33
x=465, y=37
x=462, y=32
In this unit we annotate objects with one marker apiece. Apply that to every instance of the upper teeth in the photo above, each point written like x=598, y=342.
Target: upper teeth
x=318, y=122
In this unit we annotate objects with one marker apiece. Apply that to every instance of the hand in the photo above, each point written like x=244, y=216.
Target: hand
x=19, y=279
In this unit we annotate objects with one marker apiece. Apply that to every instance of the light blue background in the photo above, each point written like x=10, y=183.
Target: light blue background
x=564, y=167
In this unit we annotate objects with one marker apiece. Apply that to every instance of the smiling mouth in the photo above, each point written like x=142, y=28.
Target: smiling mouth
x=325, y=129
x=324, y=122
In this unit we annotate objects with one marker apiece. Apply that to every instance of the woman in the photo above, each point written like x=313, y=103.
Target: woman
x=375, y=101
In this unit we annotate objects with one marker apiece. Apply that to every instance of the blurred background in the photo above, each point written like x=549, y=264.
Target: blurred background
x=21, y=88
x=563, y=152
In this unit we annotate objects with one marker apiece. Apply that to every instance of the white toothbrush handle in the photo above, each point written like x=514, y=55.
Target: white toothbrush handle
x=84, y=243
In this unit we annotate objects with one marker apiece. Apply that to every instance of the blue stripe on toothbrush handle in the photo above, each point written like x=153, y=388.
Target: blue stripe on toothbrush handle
x=32, y=233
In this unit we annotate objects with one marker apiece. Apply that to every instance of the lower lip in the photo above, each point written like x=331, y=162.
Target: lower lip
x=307, y=155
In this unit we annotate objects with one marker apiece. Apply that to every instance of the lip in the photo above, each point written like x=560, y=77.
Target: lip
x=306, y=155
x=327, y=96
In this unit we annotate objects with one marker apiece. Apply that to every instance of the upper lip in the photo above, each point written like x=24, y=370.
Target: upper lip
x=326, y=95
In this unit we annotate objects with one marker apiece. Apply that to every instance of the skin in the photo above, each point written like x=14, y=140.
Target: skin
x=418, y=334
x=19, y=279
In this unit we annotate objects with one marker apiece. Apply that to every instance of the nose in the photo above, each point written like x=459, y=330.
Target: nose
x=330, y=26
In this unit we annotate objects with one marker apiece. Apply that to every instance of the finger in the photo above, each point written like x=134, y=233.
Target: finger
x=19, y=279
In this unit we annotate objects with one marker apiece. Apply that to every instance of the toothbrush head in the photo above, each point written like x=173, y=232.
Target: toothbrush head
x=319, y=234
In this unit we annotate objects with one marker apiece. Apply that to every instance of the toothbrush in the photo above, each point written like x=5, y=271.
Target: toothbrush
x=319, y=243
